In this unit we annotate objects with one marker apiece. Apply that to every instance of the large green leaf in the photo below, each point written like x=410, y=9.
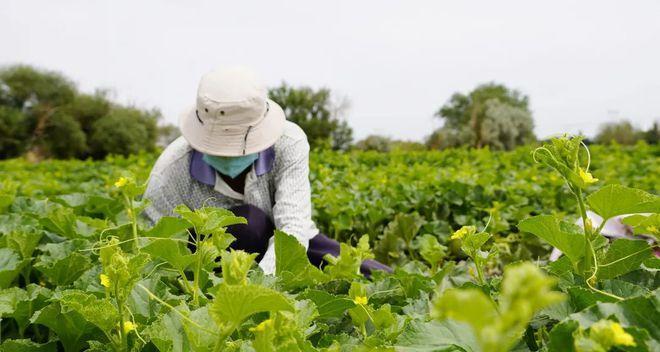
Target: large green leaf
x=24, y=240
x=71, y=328
x=328, y=305
x=622, y=257
x=26, y=345
x=21, y=304
x=200, y=340
x=445, y=336
x=234, y=303
x=99, y=312
x=61, y=221
x=561, y=336
x=292, y=265
x=62, y=263
x=168, y=226
x=10, y=266
x=641, y=312
x=166, y=333
x=613, y=200
x=172, y=251
x=563, y=235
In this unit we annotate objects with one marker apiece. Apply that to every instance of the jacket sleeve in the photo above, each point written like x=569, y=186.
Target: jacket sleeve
x=159, y=194
x=292, y=211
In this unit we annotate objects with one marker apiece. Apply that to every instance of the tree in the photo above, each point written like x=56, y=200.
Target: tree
x=43, y=115
x=12, y=132
x=314, y=111
x=38, y=95
x=374, y=142
x=491, y=115
x=622, y=132
x=124, y=131
x=63, y=137
x=652, y=136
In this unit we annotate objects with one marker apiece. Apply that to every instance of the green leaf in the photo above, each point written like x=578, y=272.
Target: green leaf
x=11, y=265
x=445, y=336
x=235, y=266
x=63, y=263
x=24, y=240
x=563, y=235
x=292, y=265
x=166, y=333
x=209, y=220
x=26, y=345
x=168, y=227
x=71, y=328
x=200, y=339
x=582, y=298
x=622, y=257
x=472, y=242
x=328, y=305
x=613, y=200
x=561, y=336
x=347, y=265
x=639, y=312
x=397, y=234
x=172, y=251
x=470, y=306
x=235, y=303
x=430, y=249
x=61, y=221
x=644, y=225
x=122, y=269
x=99, y=312
x=21, y=304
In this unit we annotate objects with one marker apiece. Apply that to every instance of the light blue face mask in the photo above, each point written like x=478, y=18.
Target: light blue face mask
x=231, y=166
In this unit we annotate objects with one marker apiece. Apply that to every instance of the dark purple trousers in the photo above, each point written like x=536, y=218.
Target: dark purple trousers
x=253, y=237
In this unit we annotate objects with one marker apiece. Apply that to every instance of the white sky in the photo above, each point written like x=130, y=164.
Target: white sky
x=581, y=62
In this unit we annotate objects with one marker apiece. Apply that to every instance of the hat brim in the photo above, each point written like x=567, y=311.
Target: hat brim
x=232, y=140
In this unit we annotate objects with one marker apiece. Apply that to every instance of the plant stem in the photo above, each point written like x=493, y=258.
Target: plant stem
x=223, y=336
x=590, y=253
x=131, y=215
x=122, y=336
x=480, y=272
x=198, y=265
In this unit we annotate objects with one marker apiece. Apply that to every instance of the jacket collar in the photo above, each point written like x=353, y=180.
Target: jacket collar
x=204, y=173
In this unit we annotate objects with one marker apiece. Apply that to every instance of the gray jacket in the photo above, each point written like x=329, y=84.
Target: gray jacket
x=281, y=188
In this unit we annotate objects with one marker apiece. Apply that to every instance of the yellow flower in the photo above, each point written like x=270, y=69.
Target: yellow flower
x=587, y=177
x=105, y=280
x=652, y=229
x=121, y=182
x=608, y=334
x=361, y=300
x=471, y=272
x=268, y=323
x=463, y=231
x=621, y=338
x=129, y=326
x=589, y=224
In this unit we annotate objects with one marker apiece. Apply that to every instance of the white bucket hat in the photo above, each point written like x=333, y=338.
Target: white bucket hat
x=233, y=115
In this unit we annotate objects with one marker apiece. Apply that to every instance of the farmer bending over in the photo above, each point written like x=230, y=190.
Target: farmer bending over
x=239, y=152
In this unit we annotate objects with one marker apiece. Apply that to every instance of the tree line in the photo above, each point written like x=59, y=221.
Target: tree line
x=44, y=115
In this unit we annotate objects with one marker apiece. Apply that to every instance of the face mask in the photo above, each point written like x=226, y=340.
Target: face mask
x=231, y=166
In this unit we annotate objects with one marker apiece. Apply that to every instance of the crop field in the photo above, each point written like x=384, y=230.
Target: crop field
x=468, y=232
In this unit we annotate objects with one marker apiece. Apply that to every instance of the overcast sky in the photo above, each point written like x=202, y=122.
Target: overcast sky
x=581, y=62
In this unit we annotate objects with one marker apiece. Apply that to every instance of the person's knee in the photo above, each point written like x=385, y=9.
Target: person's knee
x=252, y=237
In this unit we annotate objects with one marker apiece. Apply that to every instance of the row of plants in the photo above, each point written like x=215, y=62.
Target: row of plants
x=80, y=269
